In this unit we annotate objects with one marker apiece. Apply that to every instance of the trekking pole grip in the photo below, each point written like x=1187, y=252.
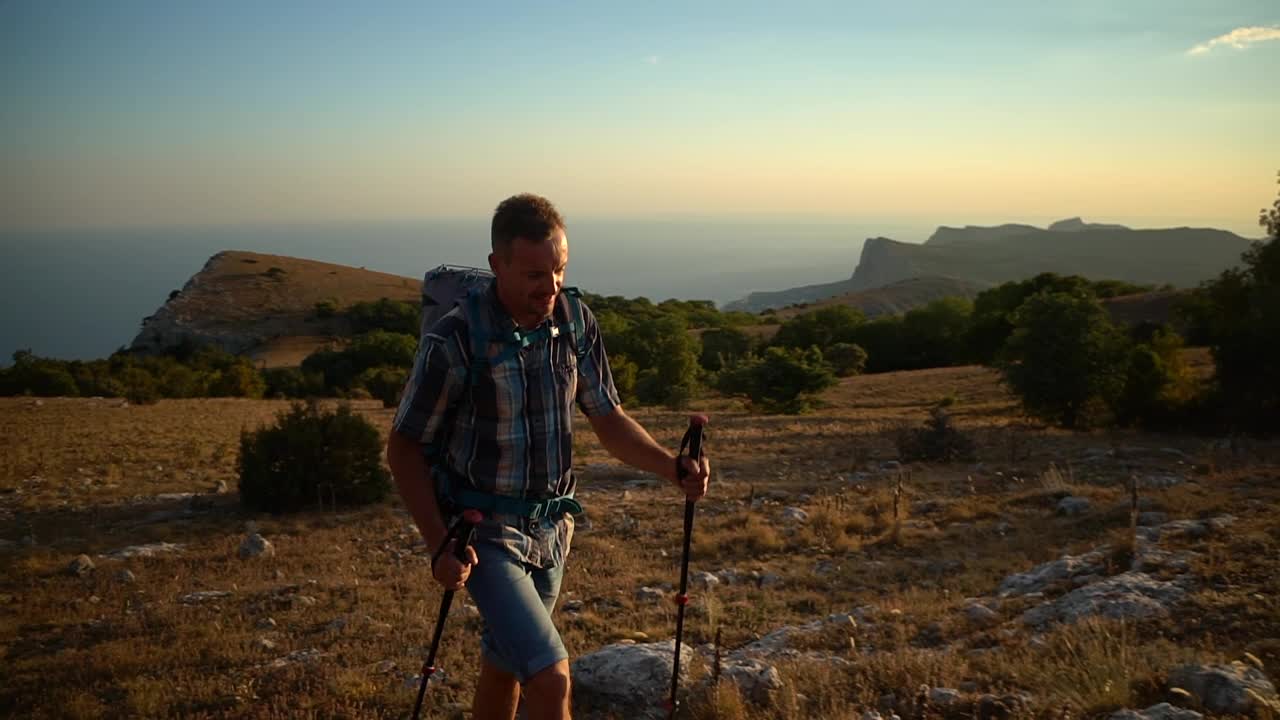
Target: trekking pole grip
x=463, y=531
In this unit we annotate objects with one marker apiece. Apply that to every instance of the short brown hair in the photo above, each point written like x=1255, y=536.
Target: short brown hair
x=527, y=216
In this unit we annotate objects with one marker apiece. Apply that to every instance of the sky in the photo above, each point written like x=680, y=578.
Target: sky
x=152, y=114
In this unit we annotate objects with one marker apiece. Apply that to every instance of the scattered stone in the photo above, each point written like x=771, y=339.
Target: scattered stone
x=81, y=566
x=305, y=601
x=220, y=488
x=1129, y=596
x=756, y=680
x=728, y=576
x=794, y=514
x=203, y=596
x=1152, y=518
x=265, y=623
x=770, y=580
x=981, y=616
x=943, y=696
x=1161, y=482
x=571, y=606
x=126, y=577
x=148, y=550
x=703, y=579
x=890, y=465
x=1041, y=577
x=1073, y=506
x=841, y=624
x=1163, y=711
x=628, y=676
x=296, y=657
x=968, y=686
x=1235, y=689
x=256, y=546
x=649, y=594
x=265, y=644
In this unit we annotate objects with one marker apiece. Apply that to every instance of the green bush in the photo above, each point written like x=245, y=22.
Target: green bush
x=1065, y=360
x=385, y=314
x=672, y=377
x=326, y=308
x=292, y=383
x=311, y=457
x=384, y=383
x=937, y=441
x=625, y=374
x=723, y=346
x=140, y=386
x=1240, y=311
x=782, y=380
x=846, y=359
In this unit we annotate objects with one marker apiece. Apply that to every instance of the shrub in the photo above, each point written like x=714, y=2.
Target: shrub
x=292, y=383
x=846, y=359
x=385, y=314
x=781, y=380
x=384, y=383
x=1240, y=311
x=937, y=441
x=311, y=456
x=1065, y=359
x=140, y=386
x=239, y=380
x=326, y=308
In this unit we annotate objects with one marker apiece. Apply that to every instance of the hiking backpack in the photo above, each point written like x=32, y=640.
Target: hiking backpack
x=447, y=286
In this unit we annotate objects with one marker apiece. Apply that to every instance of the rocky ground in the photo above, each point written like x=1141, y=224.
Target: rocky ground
x=1062, y=574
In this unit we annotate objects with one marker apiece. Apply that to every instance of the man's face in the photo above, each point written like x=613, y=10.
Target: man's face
x=530, y=275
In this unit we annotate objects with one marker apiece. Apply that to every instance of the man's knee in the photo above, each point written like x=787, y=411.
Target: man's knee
x=550, y=684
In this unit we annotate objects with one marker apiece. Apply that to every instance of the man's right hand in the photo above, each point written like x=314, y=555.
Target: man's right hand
x=451, y=572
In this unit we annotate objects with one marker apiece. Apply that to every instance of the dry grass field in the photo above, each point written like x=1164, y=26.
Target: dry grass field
x=337, y=622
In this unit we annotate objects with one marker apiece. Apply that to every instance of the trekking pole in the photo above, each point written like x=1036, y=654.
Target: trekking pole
x=693, y=439
x=462, y=531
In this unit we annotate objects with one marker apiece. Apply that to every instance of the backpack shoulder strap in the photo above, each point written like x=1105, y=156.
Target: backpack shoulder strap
x=577, y=321
x=479, y=339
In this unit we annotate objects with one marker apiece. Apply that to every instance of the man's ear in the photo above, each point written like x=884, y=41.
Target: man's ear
x=493, y=263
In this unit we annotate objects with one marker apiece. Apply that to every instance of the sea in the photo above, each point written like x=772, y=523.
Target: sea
x=82, y=294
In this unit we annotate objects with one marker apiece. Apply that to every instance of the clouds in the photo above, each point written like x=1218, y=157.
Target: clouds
x=1241, y=39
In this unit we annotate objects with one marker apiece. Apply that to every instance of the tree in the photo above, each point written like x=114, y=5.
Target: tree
x=935, y=335
x=672, y=379
x=1065, y=358
x=782, y=380
x=723, y=346
x=846, y=359
x=822, y=328
x=1240, y=311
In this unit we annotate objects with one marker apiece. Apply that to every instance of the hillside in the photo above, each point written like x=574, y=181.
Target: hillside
x=985, y=256
x=894, y=298
x=264, y=305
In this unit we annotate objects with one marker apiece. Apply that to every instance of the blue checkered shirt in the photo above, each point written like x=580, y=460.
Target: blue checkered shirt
x=509, y=429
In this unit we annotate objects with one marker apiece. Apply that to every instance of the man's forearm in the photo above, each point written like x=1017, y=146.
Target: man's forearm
x=626, y=440
x=417, y=488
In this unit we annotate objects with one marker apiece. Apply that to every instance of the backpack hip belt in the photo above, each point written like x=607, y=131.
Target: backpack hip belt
x=464, y=498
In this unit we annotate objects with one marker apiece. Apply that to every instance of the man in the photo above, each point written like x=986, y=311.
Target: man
x=498, y=435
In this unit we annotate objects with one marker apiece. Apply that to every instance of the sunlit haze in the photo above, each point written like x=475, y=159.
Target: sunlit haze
x=160, y=113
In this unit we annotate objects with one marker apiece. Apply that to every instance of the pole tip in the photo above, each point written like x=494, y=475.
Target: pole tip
x=698, y=420
x=472, y=516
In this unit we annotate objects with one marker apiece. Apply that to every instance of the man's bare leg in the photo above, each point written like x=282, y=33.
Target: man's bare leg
x=497, y=694
x=547, y=695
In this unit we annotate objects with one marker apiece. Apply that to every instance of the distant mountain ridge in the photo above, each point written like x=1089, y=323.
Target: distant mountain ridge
x=986, y=256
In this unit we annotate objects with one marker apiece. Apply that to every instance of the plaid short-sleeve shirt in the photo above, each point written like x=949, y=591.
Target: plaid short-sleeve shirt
x=509, y=429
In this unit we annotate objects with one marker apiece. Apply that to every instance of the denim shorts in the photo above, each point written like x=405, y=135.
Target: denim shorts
x=515, y=600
